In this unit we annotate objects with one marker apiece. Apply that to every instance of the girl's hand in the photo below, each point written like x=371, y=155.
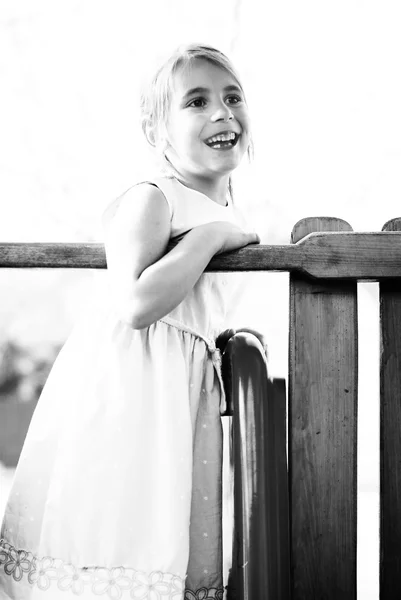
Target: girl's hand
x=230, y=237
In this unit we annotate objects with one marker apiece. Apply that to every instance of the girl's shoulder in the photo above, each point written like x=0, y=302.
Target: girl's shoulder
x=156, y=181
x=188, y=208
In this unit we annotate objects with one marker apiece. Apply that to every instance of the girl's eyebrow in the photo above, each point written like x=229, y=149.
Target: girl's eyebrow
x=203, y=90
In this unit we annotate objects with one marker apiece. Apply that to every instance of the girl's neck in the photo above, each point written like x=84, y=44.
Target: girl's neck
x=216, y=190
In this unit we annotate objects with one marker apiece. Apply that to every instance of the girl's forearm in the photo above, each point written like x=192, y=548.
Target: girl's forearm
x=163, y=285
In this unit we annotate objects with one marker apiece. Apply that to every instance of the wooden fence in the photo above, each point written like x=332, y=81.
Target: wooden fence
x=325, y=260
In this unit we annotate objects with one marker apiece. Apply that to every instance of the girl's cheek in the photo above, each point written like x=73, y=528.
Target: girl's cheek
x=244, y=115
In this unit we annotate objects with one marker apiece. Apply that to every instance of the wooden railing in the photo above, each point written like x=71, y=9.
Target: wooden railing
x=325, y=261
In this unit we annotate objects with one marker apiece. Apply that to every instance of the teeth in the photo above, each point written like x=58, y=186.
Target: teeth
x=226, y=137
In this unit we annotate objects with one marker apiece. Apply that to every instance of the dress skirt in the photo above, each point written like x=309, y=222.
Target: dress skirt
x=118, y=491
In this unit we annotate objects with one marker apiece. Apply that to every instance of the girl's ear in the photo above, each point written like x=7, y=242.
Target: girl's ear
x=149, y=131
x=162, y=145
x=155, y=138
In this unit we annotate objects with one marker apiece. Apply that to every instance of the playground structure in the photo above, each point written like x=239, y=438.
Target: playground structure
x=296, y=516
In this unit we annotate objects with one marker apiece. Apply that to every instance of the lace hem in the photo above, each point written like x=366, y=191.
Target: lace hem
x=114, y=582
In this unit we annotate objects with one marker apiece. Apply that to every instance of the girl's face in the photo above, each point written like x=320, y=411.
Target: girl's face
x=206, y=102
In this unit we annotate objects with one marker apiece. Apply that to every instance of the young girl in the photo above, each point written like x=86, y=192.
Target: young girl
x=118, y=489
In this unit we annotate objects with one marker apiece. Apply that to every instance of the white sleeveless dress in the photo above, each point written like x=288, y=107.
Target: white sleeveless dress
x=118, y=490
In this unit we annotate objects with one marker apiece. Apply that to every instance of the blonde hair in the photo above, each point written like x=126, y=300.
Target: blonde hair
x=155, y=100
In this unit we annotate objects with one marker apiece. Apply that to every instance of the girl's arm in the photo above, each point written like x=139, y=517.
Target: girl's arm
x=146, y=282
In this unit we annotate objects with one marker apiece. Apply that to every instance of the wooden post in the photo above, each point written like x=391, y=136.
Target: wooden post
x=390, y=433
x=260, y=558
x=322, y=430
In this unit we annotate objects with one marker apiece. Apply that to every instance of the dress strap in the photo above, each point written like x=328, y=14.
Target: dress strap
x=214, y=352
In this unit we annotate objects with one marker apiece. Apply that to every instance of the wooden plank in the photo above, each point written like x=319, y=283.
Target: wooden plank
x=348, y=255
x=390, y=434
x=74, y=255
x=260, y=559
x=323, y=432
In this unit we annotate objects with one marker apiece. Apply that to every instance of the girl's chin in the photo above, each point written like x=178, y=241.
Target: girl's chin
x=225, y=154
x=228, y=163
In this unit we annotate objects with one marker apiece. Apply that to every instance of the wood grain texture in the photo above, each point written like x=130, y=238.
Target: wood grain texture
x=390, y=434
x=338, y=254
x=73, y=255
x=323, y=432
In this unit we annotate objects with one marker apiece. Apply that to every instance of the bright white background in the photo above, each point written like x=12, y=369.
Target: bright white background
x=323, y=84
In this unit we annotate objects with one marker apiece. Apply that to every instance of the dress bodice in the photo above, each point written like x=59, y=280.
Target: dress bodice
x=206, y=306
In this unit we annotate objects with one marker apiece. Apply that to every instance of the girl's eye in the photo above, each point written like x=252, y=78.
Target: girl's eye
x=201, y=102
x=234, y=99
x=197, y=103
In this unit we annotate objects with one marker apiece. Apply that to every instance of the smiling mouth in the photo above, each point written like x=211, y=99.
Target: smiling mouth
x=224, y=144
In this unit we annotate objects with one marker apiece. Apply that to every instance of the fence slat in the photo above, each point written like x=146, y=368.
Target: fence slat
x=390, y=434
x=260, y=563
x=322, y=431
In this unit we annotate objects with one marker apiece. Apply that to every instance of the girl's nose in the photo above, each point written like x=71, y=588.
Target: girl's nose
x=222, y=113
